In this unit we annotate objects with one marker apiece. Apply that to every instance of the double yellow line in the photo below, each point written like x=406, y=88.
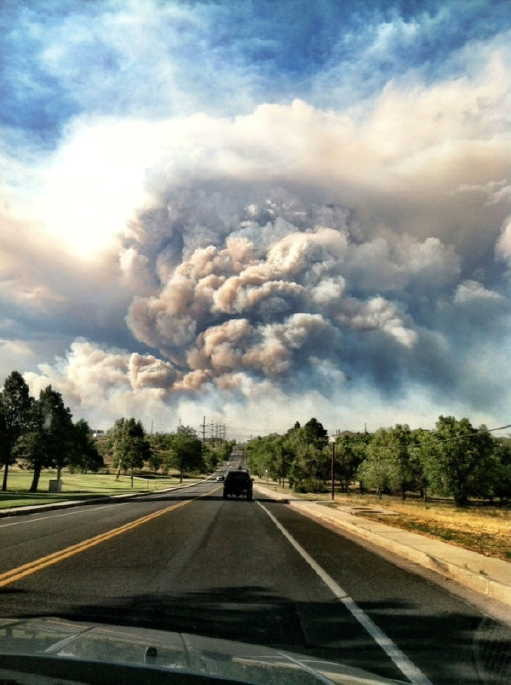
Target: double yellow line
x=37, y=565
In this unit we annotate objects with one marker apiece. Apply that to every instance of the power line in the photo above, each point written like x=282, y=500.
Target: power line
x=478, y=431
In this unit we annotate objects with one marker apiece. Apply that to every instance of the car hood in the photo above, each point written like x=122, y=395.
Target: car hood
x=55, y=647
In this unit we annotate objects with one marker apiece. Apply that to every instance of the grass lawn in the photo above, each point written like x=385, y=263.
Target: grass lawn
x=78, y=486
x=482, y=529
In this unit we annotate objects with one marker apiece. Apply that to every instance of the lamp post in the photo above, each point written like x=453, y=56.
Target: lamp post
x=332, y=440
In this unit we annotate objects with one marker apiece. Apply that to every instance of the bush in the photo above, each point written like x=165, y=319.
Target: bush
x=310, y=485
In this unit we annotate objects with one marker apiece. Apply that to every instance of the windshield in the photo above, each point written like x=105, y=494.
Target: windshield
x=255, y=331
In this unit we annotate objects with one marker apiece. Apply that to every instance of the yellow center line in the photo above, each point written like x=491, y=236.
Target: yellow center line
x=37, y=565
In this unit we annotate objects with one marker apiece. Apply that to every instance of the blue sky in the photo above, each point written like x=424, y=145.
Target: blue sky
x=218, y=207
x=159, y=59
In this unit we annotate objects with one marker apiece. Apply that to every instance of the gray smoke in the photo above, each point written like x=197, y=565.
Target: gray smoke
x=260, y=283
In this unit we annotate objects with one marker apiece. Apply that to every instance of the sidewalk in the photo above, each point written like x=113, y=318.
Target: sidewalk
x=488, y=576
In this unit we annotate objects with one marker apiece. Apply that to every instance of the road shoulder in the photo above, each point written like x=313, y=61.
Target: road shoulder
x=484, y=575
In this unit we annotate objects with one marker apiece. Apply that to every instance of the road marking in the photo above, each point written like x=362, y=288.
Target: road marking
x=32, y=567
x=403, y=663
x=71, y=513
x=57, y=516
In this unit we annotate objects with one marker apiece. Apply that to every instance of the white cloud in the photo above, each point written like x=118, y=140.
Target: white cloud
x=470, y=291
x=503, y=246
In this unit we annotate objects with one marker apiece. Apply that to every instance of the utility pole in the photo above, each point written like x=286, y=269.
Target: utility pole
x=203, y=426
x=333, y=462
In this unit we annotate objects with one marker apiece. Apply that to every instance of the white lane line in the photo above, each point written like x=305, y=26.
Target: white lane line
x=56, y=516
x=403, y=663
x=80, y=509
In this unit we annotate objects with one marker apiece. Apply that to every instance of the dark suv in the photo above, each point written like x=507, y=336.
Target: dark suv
x=238, y=483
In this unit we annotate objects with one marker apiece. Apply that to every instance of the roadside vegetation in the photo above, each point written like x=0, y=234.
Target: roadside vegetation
x=455, y=461
x=452, y=483
x=40, y=442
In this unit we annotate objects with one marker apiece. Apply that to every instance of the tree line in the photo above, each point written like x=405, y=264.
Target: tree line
x=181, y=450
x=453, y=460
x=40, y=433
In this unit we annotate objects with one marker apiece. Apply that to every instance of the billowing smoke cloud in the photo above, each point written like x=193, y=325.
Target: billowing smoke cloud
x=329, y=242
x=280, y=289
x=249, y=291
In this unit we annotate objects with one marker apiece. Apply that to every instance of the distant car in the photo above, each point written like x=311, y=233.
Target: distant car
x=238, y=483
x=220, y=477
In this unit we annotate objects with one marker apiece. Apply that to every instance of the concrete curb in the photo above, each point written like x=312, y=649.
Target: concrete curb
x=34, y=508
x=439, y=563
x=455, y=563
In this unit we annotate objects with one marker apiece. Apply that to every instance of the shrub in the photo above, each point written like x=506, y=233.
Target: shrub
x=310, y=485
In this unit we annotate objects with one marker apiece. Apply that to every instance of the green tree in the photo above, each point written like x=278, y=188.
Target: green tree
x=160, y=441
x=49, y=439
x=347, y=459
x=502, y=474
x=212, y=456
x=156, y=460
x=84, y=455
x=31, y=449
x=215, y=451
x=310, y=468
x=259, y=456
x=401, y=454
x=186, y=451
x=419, y=451
x=460, y=459
x=380, y=469
x=269, y=455
x=314, y=434
x=58, y=428
x=160, y=456
x=360, y=445
x=280, y=458
x=15, y=414
x=298, y=455
x=129, y=445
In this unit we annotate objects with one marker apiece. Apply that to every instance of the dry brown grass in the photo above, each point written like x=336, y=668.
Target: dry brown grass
x=482, y=529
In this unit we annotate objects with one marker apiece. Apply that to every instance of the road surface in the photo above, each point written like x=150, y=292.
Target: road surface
x=256, y=572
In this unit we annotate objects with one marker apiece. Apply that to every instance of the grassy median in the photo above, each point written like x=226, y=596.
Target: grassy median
x=481, y=528
x=78, y=486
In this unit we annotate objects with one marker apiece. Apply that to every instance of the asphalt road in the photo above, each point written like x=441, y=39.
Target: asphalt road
x=256, y=572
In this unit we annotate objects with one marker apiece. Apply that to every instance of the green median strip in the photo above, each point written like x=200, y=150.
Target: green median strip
x=80, y=487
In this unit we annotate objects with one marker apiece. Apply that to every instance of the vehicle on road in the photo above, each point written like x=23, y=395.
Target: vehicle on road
x=238, y=483
x=220, y=477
